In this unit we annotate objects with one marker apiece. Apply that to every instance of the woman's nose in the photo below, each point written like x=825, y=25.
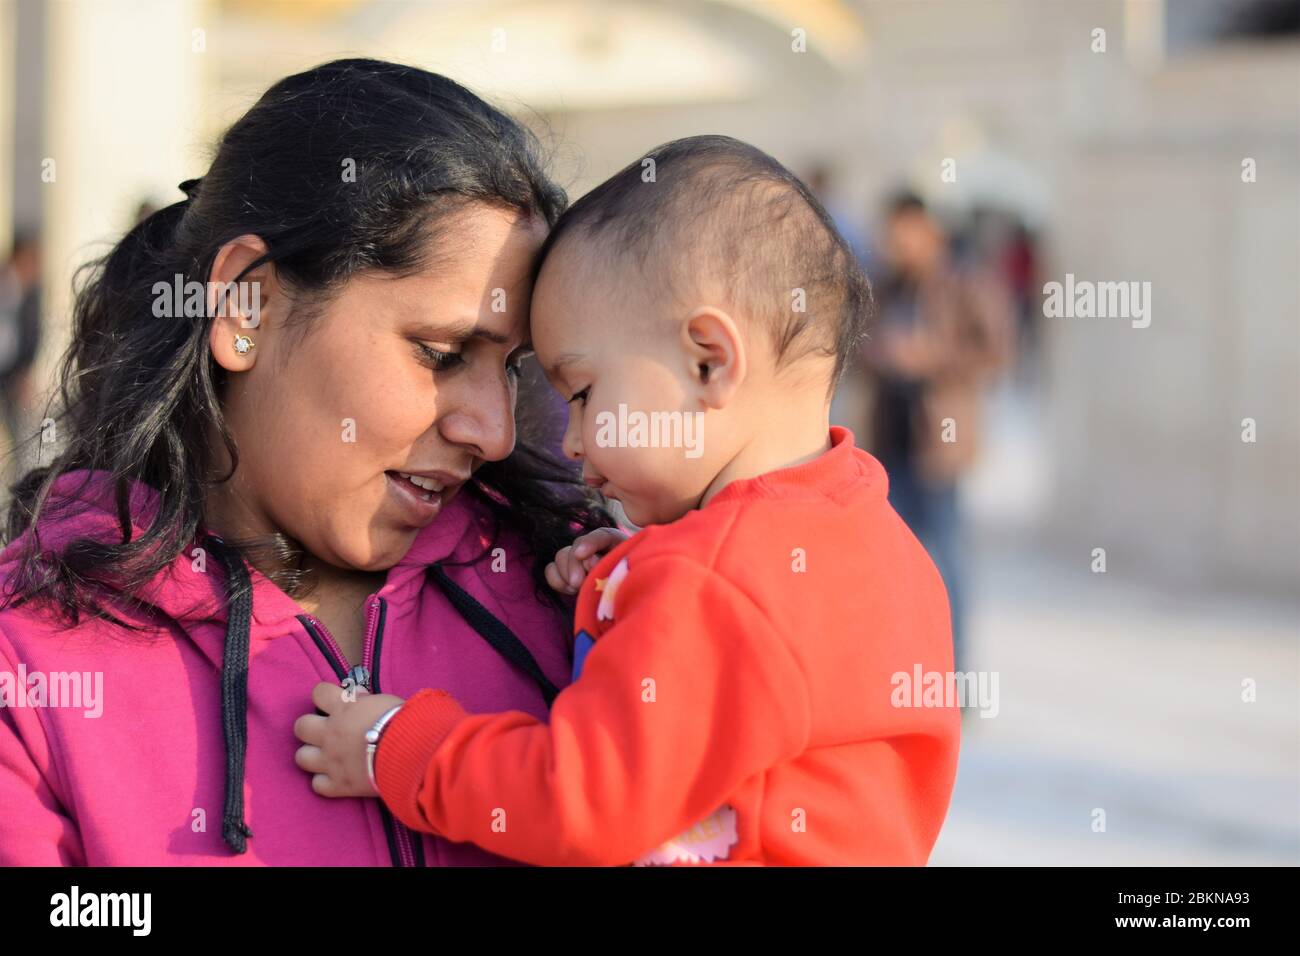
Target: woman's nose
x=484, y=420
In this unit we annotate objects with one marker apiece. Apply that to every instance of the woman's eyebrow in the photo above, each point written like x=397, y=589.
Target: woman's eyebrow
x=460, y=330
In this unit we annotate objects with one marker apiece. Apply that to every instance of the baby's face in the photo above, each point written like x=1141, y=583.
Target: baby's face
x=635, y=420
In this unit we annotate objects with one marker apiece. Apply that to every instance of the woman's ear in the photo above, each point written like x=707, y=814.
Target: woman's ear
x=238, y=302
x=716, y=354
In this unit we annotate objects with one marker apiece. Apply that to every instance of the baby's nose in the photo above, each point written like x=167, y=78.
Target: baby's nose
x=572, y=444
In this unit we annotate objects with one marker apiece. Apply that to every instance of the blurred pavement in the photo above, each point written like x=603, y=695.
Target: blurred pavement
x=1115, y=694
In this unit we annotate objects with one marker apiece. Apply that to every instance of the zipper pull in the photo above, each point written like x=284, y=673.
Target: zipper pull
x=357, y=677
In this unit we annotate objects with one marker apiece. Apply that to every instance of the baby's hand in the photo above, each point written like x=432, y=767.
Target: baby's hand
x=566, y=573
x=334, y=746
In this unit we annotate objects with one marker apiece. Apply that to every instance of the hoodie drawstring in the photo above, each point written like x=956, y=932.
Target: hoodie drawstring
x=234, y=689
x=234, y=671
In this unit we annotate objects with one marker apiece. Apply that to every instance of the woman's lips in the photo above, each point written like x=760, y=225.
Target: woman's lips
x=419, y=505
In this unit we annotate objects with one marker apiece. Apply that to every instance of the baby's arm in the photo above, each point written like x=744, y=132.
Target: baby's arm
x=689, y=693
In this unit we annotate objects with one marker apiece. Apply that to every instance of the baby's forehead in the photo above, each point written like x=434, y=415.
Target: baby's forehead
x=588, y=302
x=582, y=278
x=568, y=290
x=576, y=261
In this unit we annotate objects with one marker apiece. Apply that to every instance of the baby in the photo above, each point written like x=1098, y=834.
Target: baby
x=735, y=694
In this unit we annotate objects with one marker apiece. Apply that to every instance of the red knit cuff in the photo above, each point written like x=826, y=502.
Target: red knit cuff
x=406, y=748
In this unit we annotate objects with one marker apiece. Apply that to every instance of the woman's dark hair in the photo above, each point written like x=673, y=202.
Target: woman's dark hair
x=139, y=396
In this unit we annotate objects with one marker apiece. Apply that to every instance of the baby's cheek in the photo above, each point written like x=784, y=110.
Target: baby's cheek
x=661, y=476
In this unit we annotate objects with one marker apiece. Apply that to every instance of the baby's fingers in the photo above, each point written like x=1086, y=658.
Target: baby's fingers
x=597, y=542
x=555, y=580
x=571, y=570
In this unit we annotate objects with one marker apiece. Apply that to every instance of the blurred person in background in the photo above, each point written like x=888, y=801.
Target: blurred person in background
x=1021, y=263
x=20, y=334
x=999, y=242
x=942, y=332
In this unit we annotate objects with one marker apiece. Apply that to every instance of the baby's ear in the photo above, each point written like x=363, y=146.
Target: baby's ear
x=715, y=353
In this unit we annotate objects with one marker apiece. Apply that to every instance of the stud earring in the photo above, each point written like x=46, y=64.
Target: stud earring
x=243, y=344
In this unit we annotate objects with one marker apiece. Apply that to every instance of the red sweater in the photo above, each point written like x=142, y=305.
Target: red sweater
x=739, y=703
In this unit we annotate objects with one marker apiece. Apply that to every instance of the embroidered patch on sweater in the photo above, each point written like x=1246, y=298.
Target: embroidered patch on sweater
x=608, y=588
x=708, y=841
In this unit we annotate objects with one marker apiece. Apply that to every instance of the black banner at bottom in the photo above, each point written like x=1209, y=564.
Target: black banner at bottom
x=708, y=903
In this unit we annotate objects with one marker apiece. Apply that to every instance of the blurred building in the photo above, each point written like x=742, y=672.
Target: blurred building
x=1127, y=159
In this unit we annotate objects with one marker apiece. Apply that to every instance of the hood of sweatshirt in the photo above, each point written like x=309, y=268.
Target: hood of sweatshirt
x=193, y=588
x=209, y=584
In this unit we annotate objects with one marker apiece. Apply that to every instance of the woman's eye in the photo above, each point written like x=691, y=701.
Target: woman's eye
x=438, y=361
x=580, y=396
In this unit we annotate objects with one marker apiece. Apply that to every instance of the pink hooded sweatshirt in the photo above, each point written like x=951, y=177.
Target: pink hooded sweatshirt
x=123, y=748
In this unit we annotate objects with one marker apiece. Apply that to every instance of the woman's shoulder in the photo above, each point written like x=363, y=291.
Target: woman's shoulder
x=17, y=619
x=32, y=627
x=27, y=629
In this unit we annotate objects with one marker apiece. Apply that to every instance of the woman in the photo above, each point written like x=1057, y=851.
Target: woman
x=315, y=476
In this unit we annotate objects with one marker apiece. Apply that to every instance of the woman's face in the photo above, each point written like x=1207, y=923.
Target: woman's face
x=395, y=377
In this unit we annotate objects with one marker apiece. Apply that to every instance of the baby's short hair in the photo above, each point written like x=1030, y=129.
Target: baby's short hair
x=715, y=210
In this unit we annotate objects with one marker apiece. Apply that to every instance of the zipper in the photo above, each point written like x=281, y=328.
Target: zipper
x=404, y=849
x=410, y=848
